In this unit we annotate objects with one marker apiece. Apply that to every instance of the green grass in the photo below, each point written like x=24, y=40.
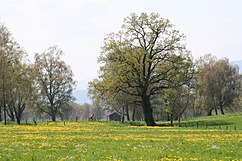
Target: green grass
x=121, y=141
x=229, y=120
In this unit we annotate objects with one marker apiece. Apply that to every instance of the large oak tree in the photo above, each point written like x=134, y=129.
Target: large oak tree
x=142, y=59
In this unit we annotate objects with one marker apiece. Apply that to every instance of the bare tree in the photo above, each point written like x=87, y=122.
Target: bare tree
x=54, y=82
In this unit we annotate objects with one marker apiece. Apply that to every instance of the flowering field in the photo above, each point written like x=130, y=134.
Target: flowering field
x=106, y=141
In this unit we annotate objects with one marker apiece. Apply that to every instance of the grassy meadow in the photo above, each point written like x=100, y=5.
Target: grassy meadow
x=116, y=141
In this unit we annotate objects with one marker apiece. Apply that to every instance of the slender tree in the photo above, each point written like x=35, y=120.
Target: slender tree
x=54, y=82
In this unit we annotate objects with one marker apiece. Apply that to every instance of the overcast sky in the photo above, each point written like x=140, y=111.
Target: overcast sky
x=78, y=27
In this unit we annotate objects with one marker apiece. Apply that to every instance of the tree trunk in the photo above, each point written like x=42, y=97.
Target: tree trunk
x=123, y=113
x=222, y=110
x=122, y=119
x=11, y=115
x=18, y=119
x=53, y=112
x=1, y=114
x=209, y=112
x=221, y=107
x=147, y=111
x=179, y=119
x=5, y=113
x=133, y=116
x=171, y=118
x=127, y=112
x=53, y=118
x=216, y=110
x=167, y=116
x=18, y=112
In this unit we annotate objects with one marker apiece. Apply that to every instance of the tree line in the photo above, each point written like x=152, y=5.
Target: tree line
x=147, y=69
x=43, y=87
x=146, y=73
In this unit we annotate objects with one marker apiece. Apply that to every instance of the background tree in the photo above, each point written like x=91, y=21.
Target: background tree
x=218, y=83
x=74, y=113
x=178, y=100
x=54, y=82
x=142, y=57
x=111, y=100
x=12, y=58
x=120, y=103
x=22, y=91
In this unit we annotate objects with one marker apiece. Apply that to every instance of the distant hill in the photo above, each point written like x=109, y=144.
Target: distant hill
x=81, y=92
x=81, y=96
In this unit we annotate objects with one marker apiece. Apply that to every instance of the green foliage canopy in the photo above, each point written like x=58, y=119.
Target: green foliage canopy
x=144, y=57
